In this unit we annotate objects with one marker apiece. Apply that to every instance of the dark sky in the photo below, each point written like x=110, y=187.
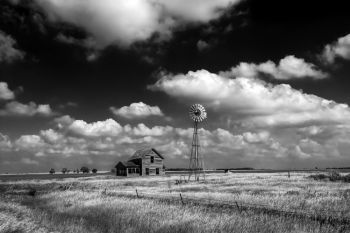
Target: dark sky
x=273, y=76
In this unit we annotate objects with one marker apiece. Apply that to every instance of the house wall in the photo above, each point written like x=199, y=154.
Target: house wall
x=120, y=171
x=146, y=163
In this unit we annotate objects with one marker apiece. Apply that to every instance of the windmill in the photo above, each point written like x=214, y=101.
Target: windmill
x=196, y=168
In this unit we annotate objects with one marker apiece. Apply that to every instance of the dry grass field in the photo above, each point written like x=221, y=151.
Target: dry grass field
x=230, y=202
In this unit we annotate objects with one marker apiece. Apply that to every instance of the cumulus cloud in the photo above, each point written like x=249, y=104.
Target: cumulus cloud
x=173, y=142
x=105, y=128
x=339, y=48
x=124, y=22
x=253, y=101
x=289, y=67
x=8, y=52
x=137, y=110
x=51, y=135
x=30, y=142
x=5, y=143
x=5, y=92
x=15, y=108
x=63, y=121
x=262, y=136
x=111, y=141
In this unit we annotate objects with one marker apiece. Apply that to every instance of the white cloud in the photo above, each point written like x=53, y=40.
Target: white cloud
x=298, y=152
x=101, y=138
x=15, y=108
x=5, y=92
x=253, y=101
x=289, y=67
x=30, y=142
x=63, y=121
x=143, y=130
x=339, y=48
x=262, y=136
x=105, y=128
x=124, y=22
x=5, y=143
x=220, y=147
x=8, y=52
x=51, y=135
x=137, y=110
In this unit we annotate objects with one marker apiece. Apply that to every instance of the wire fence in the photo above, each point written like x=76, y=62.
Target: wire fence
x=332, y=217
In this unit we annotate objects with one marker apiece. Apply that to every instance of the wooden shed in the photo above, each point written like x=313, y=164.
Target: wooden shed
x=144, y=162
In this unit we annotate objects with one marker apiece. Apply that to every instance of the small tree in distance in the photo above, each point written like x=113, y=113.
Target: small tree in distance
x=52, y=171
x=94, y=170
x=84, y=169
x=64, y=170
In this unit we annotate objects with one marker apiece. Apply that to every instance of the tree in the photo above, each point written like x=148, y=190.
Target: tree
x=94, y=170
x=64, y=170
x=52, y=171
x=84, y=169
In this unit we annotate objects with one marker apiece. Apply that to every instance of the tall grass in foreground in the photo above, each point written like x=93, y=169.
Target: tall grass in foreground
x=86, y=208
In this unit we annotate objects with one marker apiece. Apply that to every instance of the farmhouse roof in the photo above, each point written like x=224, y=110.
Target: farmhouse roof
x=143, y=152
x=128, y=164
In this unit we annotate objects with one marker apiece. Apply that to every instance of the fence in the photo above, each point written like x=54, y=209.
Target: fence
x=323, y=217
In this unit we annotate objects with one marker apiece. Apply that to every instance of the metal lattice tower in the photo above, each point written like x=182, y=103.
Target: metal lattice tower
x=196, y=167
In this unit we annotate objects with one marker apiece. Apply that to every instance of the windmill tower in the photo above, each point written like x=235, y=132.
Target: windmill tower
x=196, y=168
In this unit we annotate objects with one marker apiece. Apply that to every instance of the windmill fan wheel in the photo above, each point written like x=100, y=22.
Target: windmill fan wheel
x=197, y=113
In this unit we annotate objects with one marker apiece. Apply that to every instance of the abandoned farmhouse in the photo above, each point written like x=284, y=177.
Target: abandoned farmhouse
x=144, y=162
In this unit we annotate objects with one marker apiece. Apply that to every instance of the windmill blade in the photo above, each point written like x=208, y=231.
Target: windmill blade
x=197, y=113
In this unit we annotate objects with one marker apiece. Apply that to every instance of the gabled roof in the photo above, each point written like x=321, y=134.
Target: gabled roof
x=143, y=152
x=127, y=164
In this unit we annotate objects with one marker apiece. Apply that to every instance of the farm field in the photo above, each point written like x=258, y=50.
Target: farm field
x=224, y=202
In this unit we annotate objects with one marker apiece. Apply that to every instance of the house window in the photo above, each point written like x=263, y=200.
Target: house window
x=130, y=170
x=157, y=171
x=137, y=170
x=147, y=171
x=152, y=159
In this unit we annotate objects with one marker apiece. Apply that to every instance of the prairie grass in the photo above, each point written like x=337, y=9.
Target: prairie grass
x=94, y=204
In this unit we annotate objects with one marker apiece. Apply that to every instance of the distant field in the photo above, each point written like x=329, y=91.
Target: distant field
x=46, y=176
x=224, y=202
x=13, y=177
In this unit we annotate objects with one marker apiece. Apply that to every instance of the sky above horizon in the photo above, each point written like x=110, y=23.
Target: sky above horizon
x=87, y=83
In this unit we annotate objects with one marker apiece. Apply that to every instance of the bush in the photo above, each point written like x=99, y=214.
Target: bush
x=331, y=176
x=84, y=169
x=334, y=176
x=94, y=170
x=64, y=170
x=52, y=171
x=292, y=192
x=318, y=177
x=346, y=178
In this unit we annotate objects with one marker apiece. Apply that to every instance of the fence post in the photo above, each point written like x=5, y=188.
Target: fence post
x=137, y=194
x=238, y=207
x=181, y=199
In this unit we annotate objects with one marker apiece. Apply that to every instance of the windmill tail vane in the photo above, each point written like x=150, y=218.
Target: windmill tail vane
x=196, y=167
